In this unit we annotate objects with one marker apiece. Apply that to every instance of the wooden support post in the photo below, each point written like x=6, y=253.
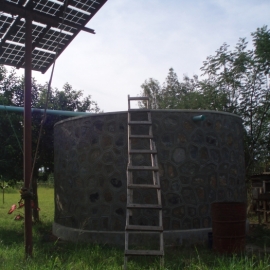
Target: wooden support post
x=27, y=137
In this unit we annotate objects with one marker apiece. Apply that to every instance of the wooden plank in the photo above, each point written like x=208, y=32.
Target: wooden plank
x=126, y=240
x=144, y=252
x=142, y=151
x=141, y=136
x=143, y=186
x=142, y=168
x=144, y=228
x=144, y=206
x=138, y=98
x=161, y=242
x=159, y=195
x=125, y=263
x=160, y=219
x=139, y=123
x=262, y=210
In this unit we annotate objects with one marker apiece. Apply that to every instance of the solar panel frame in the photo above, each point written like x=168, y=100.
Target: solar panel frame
x=52, y=30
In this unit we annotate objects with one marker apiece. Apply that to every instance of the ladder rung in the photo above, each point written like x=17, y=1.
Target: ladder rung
x=143, y=186
x=144, y=252
x=144, y=228
x=142, y=168
x=138, y=98
x=141, y=136
x=145, y=206
x=139, y=123
x=139, y=110
x=142, y=151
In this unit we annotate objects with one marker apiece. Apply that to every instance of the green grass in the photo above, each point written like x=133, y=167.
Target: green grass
x=50, y=253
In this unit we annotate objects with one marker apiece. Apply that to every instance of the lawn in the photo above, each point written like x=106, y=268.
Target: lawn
x=51, y=253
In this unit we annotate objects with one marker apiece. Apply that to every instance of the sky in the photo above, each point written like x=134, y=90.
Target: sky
x=140, y=39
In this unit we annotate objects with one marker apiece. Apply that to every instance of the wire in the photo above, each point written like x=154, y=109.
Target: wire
x=48, y=93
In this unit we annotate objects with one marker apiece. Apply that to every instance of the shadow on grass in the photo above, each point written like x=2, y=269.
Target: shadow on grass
x=11, y=236
x=259, y=235
x=41, y=232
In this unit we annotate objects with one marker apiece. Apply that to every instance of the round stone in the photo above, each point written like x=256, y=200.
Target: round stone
x=179, y=155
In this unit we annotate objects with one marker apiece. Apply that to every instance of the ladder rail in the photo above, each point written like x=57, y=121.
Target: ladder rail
x=153, y=169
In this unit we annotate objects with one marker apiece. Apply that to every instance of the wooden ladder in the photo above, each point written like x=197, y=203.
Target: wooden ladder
x=131, y=185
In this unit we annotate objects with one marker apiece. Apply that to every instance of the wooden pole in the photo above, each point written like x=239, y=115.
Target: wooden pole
x=27, y=137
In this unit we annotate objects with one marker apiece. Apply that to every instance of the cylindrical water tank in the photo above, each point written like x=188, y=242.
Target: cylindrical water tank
x=200, y=162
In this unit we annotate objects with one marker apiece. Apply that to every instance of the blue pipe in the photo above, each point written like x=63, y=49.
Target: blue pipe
x=55, y=112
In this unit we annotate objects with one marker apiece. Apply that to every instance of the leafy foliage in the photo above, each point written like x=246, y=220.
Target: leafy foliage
x=11, y=124
x=235, y=81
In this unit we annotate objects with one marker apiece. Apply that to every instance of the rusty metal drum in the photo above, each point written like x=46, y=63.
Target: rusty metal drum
x=229, y=227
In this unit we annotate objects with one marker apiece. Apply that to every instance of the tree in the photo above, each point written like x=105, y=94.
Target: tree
x=235, y=81
x=11, y=127
x=173, y=94
x=188, y=94
x=152, y=89
x=241, y=75
x=261, y=41
x=171, y=91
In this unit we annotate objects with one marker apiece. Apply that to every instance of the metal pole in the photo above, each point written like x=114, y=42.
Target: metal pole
x=27, y=142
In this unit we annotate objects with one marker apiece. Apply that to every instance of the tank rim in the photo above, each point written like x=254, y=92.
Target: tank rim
x=162, y=110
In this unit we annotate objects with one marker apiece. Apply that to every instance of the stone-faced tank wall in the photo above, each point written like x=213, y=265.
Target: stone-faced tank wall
x=199, y=163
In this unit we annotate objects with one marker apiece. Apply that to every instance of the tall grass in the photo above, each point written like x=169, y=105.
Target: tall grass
x=51, y=253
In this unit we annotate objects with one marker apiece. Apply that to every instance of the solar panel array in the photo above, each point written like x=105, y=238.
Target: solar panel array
x=64, y=19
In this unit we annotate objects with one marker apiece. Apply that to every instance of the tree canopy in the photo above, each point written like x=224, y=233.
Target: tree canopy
x=235, y=81
x=11, y=124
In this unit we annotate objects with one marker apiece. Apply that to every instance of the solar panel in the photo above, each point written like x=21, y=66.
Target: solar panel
x=55, y=24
